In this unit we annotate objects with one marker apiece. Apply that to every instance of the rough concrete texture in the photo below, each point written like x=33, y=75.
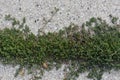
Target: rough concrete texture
x=70, y=11
x=75, y=11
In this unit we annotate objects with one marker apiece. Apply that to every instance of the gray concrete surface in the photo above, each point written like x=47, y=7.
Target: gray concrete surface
x=75, y=11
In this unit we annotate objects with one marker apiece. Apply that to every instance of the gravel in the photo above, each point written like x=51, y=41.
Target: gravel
x=70, y=11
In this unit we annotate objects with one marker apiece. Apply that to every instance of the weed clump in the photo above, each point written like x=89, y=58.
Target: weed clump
x=95, y=48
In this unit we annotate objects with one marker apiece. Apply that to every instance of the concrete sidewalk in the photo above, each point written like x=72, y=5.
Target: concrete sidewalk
x=70, y=11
